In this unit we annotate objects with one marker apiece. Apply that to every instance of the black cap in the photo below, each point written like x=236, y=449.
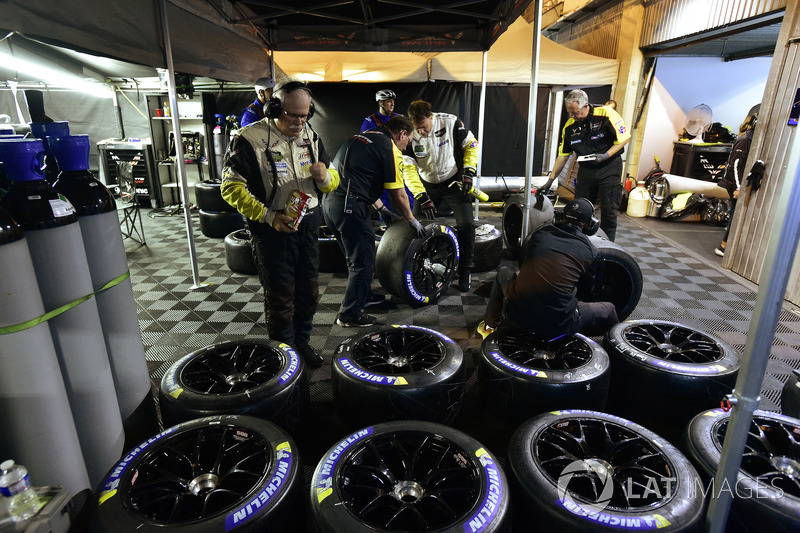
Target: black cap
x=579, y=210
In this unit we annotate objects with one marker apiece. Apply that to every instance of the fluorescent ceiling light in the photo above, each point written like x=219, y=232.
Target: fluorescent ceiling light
x=54, y=77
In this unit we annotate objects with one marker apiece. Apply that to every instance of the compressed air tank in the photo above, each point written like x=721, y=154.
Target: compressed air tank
x=37, y=426
x=62, y=274
x=108, y=267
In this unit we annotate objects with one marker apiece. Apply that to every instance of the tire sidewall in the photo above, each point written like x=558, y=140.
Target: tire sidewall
x=682, y=511
x=516, y=392
x=769, y=503
x=180, y=403
x=354, y=385
x=620, y=350
x=285, y=477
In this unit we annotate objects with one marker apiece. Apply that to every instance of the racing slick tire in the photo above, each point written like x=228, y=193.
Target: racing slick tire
x=682, y=370
x=585, y=471
x=790, y=396
x=398, y=372
x=208, y=197
x=331, y=257
x=417, y=270
x=218, y=224
x=766, y=494
x=521, y=375
x=222, y=473
x=409, y=476
x=513, y=218
x=259, y=378
x=239, y=254
x=618, y=278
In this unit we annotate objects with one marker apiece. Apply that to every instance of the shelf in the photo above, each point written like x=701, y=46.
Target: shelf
x=181, y=118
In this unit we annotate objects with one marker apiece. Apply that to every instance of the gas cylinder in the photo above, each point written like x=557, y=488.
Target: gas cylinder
x=108, y=267
x=38, y=428
x=638, y=201
x=62, y=274
x=41, y=130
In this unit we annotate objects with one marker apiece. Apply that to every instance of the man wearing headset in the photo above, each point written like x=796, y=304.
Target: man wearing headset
x=266, y=163
x=255, y=111
x=541, y=298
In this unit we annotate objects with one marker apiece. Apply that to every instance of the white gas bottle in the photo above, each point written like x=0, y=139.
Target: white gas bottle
x=638, y=201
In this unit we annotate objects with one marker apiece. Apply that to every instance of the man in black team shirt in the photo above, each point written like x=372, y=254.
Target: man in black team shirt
x=367, y=163
x=541, y=298
x=597, y=134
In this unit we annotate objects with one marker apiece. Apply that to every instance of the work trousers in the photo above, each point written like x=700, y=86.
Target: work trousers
x=356, y=237
x=288, y=267
x=462, y=211
x=603, y=183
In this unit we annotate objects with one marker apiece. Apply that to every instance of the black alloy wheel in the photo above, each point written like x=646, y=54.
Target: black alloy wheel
x=767, y=490
x=396, y=373
x=266, y=379
x=681, y=369
x=590, y=471
x=417, y=270
x=409, y=476
x=220, y=473
x=522, y=375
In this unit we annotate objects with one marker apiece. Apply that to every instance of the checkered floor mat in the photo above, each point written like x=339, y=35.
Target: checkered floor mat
x=176, y=317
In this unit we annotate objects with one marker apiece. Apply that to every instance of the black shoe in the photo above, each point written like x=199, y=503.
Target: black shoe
x=465, y=281
x=361, y=322
x=311, y=357
x=375, y=299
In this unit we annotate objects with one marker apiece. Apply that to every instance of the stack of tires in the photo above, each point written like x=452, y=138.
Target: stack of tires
x=217, y=217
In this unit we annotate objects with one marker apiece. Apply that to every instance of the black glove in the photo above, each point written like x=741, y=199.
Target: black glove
x=756, y=175
x=416, y=226
x=426, y=206
x=467, y=182
x=387, y=216
x=599, y=158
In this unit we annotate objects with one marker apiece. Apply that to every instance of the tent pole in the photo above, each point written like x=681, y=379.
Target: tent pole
x=537, y=31
x=771, y=291
x=481, y=124
x=176, y=131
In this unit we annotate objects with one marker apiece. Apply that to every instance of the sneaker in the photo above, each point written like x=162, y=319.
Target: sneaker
x=361, y=322
x=465, y=281
x=311, y=357
x=375, y=299
x=720, y=252
x=484, y=330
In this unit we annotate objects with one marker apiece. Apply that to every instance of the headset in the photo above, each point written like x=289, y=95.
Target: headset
x=274, y=105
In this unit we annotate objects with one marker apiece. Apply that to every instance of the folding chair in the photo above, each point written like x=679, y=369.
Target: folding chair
x=129, y=201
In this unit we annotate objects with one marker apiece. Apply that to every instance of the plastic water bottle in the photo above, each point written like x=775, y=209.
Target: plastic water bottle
x=20, y=497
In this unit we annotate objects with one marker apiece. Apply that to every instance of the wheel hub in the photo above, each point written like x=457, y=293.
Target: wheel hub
x=203, y=483
x=787, y=465
x=235, y=378
x=408, y=491
x=669, y=348
x=602, y=468
x=398, y=361
x=544, y=355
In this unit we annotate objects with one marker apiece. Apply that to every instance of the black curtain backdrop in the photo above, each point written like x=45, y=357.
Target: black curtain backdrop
x=340, y=108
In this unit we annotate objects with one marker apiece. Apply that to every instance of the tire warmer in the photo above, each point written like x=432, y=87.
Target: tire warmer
x=108, y=267
x=38, y=429
x=62, y=273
